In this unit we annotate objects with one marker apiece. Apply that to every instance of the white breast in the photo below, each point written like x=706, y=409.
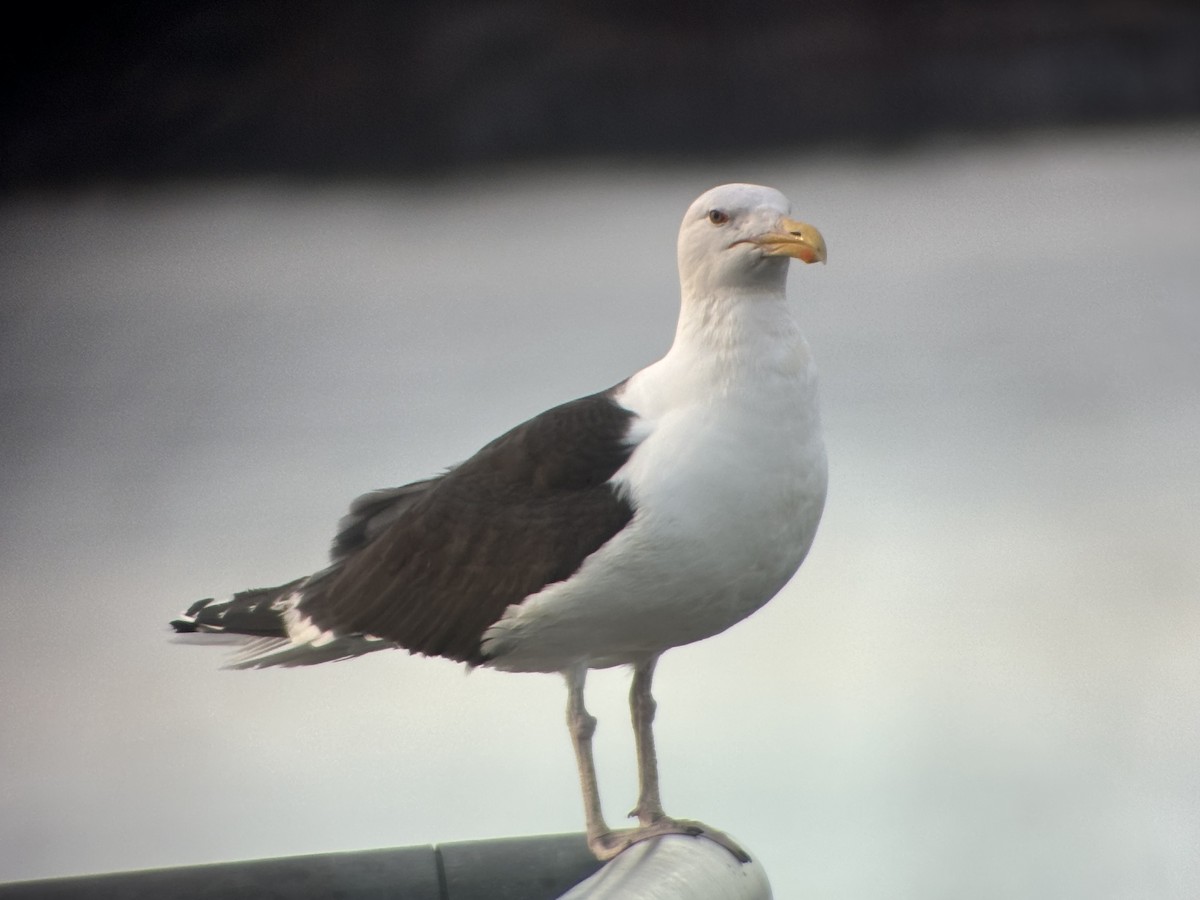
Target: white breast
x=728, y=480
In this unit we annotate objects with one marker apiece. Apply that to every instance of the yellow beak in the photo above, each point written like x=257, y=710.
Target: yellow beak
x=795, y=239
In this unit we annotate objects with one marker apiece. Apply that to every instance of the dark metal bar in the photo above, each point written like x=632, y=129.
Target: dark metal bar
x=528, y=868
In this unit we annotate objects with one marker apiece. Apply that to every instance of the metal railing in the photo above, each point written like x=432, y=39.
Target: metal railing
x=547, y=867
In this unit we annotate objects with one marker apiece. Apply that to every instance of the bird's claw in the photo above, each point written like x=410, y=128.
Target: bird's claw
x=608, y=844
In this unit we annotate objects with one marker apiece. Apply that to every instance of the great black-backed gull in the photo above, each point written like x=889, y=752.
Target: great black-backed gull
x=601, y=532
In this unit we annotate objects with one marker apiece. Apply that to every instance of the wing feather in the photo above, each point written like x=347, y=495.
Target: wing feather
x=431, y=565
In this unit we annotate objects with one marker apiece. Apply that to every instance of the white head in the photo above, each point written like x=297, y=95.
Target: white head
x=739, y=237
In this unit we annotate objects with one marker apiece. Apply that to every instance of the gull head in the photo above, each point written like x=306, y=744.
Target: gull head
x=740, y=237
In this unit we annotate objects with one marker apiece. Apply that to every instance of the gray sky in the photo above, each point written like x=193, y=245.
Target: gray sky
x=984, y=682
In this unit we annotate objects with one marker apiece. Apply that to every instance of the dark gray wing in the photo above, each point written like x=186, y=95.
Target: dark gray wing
x=431, y=566
x=370, y=514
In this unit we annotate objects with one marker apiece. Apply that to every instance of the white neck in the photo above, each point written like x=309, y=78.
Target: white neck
x=738, y=338
x=747, y=348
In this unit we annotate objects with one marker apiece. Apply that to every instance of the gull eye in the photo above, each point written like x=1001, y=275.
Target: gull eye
x=718, y=216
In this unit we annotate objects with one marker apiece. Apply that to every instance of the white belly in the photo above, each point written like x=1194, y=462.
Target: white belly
x=728, y=496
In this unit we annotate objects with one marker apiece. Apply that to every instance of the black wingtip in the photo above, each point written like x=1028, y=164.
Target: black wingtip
x=186, y=624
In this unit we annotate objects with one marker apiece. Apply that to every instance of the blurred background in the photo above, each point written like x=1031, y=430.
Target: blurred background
x=147, y=90
x=256, y=259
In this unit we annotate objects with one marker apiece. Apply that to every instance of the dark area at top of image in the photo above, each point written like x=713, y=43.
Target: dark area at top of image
x=139, y=91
